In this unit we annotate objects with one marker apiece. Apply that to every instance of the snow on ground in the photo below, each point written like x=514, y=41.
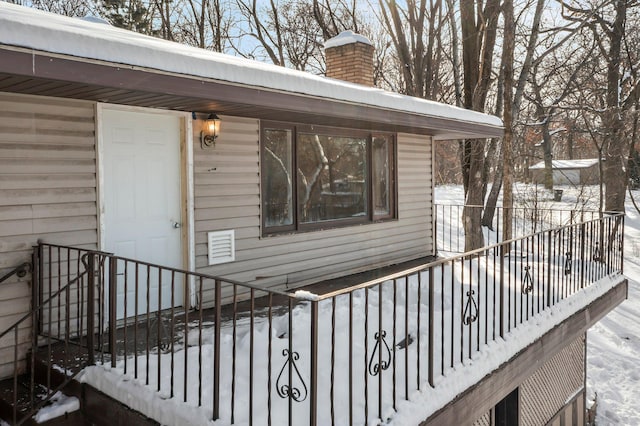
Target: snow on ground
x=58, y=406
x=613, y=344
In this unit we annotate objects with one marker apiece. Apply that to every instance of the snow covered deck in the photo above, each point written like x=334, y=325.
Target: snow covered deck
x=538, y=341
x=400, y=348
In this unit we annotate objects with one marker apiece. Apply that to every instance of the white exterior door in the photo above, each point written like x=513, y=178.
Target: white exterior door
x=142, y=202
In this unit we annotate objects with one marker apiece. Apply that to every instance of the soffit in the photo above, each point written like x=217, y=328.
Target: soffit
x=30, y=72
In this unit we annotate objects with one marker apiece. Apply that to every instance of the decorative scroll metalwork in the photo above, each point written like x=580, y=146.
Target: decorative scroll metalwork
x=596, y=253
x=527, y=281
x=376, y=365
x=288, y=389
x=470, y=313
x=568, y=262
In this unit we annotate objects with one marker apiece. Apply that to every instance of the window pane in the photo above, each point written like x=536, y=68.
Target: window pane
x=381, y=170
x=277, y=192
x=331, y=177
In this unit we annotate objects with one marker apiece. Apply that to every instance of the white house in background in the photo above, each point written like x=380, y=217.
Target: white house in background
x=569, y=172
x=106, y=144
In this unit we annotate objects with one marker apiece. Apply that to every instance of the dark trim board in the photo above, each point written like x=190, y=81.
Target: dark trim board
x=479, y=399
x=99, y=409
x=40, y=73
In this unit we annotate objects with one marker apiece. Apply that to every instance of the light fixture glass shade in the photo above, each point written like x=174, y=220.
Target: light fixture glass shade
x=212, y=125
x=210, y=131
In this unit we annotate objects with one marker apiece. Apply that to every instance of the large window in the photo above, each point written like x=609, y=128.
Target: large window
x=316, y=177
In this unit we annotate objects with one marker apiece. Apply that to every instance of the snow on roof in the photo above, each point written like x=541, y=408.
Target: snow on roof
x=43, y=31
x=567, y=164
x=346, y=37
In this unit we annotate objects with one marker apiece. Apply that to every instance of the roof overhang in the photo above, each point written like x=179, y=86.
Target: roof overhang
x=29, y=71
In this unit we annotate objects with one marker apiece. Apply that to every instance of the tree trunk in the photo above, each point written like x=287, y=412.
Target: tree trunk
x=472, y=212
x=507, y=162
x=548, y=156
x=492, y=199
x=615, y=176
x=479, y=27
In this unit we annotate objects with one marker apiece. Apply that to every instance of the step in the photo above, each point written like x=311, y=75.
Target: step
x=44, y=378
x=57, y=415
x=101, y=410
x=96, y=408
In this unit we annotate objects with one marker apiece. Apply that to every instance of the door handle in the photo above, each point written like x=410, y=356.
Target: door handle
x=176, y=224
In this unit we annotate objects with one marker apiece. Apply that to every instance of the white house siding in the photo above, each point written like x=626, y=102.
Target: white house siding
x=47, y=190
x=227, y=196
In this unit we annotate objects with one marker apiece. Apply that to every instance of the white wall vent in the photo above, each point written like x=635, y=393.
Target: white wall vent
x=222, y=246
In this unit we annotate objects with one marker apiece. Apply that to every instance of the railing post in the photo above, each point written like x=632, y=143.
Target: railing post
x=549, y=278
x=35, y=316
x=113, y=270
x=35, y=287
x=610, y=243
x=431, y=330
x=91, y=300
x=40, y=284
x=582, y=249
x=502, y=255
x=622, y=244
x=313, y=379
x=216, y=354
x=435, y=229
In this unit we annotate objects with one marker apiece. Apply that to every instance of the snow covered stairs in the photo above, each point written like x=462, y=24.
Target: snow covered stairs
x=62, y=408
x=76, y=403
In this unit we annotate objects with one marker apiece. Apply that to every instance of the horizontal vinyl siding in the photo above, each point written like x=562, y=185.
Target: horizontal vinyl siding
x=227, y=196
x=47, y=189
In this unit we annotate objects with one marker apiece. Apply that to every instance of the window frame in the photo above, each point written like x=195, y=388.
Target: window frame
x=370, y=217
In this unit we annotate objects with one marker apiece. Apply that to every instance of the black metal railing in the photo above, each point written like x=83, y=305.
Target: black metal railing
x=61, y=314
x=419, y=325
x=248, y=355
x=450, y=235
x=20, y=271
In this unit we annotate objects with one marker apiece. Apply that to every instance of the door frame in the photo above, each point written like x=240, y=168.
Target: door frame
x=186, y=179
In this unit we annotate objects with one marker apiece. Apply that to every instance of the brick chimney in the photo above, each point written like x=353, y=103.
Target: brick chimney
x=349, y=57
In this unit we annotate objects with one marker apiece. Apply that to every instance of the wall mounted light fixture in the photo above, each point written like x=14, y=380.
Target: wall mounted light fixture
x=210, y=131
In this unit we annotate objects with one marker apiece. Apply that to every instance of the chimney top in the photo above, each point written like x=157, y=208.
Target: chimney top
x=346, y=37
x=349, y=57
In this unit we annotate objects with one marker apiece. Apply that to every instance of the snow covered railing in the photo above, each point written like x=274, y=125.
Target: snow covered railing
x=347, y=357
x=450, y=235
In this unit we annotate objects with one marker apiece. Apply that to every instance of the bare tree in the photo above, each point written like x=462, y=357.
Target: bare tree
x=506, y=165
x=75, y=8
x=264, y=26
x=479, y=27
x=419, y=55
x=607, y=22
x=134, y=15
x=335, y=16
x=508, y=47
